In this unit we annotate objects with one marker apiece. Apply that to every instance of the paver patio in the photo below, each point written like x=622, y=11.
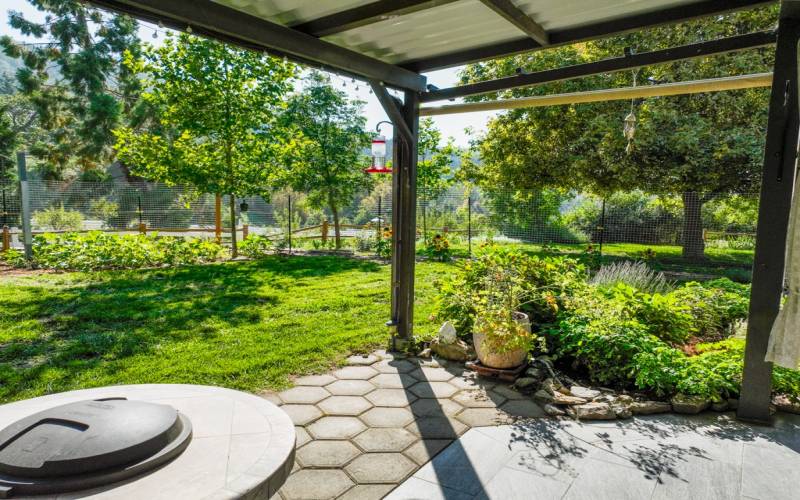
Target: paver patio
x=422, y=429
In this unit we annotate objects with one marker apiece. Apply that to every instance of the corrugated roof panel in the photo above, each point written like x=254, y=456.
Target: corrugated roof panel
x=459, y=25
x=560, y=14
x=291, y=12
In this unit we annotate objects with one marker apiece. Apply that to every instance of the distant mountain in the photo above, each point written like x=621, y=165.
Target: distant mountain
x=9, y=65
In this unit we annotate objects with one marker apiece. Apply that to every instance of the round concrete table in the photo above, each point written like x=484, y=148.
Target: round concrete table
x=242, y=445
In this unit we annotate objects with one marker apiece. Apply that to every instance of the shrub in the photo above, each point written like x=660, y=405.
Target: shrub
x=96, y=250
x=256, y=246
x=716, y=306
x=58, y=219
x=438, y=248
x=106, y=210
x=635, y=274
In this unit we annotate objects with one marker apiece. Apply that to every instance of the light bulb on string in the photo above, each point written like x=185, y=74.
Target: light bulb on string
x=189, y=29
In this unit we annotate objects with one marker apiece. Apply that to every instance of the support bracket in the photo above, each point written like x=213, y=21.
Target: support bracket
x=393, y=108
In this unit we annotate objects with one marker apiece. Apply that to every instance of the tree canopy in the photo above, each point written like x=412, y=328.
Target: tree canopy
x=703, y=143
x=216, y=125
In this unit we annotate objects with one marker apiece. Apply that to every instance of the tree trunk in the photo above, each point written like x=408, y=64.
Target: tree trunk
x=336, y=229
x=693, y=244
x=234, y=248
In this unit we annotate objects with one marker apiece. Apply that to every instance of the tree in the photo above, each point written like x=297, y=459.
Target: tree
x=330, y=159
x=75, y=80
x=217, y=128
x=434, y=173
x=700, y=145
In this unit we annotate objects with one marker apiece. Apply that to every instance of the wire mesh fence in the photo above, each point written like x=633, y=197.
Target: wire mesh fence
x=464, y=215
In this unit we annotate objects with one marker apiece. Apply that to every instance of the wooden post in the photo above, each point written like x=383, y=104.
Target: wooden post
x=6, y=239
x=777, y=183
x=245, y=231
x=324, y=231
x=143, y=228
x=218, y=218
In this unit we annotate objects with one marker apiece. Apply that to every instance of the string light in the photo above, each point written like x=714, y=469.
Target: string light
x=189, y=29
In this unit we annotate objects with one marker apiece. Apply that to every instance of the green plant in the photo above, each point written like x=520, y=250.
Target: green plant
x=635, y=274
x=97, y=250
x=438, y=248
x=256, y=246
x=58, y=219
x=106, y=210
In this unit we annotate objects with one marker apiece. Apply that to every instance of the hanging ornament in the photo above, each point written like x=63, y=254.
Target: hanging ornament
x=155, y=34
x=629, y=127
x=161, y=24
x=189, y=29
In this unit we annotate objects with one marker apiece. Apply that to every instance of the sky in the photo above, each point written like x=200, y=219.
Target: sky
x=451, y=126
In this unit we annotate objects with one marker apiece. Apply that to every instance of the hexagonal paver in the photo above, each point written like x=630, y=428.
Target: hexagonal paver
x=393, y=381
x=479, y=398
x=310, y=484
x=349, y=387
x=435, y=407
x=367, y=492
x=344, y=405
x=380, y=468
x=508, y=392
x=424, y=450
x=470, y=380
x=355, y=373
x=436, y=427
x=433, y=389
x=484, y=417
x=391, y=397
x=302, y=436
x=327, y=454
x=318, y=380
x=304, y=395
x=390, y=439
x=272, y=397
x=431, y=374
x=336, y=428
x=302, y=414
x=394, y=366
x=523, y=408
x=387, y=417
x=362, y=359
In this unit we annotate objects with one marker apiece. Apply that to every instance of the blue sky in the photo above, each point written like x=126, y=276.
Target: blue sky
x=451, y=126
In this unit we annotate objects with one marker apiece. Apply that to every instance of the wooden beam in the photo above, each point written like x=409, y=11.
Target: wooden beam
x=393, y=109
x=365, y=14
x=520, y=19
x=638, y=60
x=625, y=93
x=225, y=23
x=588, y=32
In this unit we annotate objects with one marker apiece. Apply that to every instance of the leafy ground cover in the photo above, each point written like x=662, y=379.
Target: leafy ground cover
x=245, y=325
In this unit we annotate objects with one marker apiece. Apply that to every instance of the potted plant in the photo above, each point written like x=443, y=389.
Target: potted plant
x=502, y=333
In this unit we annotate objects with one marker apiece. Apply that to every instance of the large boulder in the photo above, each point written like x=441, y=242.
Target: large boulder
x=592, y=411
x=688, y=404
x=583, y=392
x=650, y=407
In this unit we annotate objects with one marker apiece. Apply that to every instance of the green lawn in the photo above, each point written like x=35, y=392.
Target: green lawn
x=245, y=325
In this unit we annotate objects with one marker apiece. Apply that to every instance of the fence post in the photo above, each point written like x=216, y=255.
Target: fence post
x=289, y=206
x=245, y=231
x=602, y=227
x=469, y=224
x=25, y=199
x=6, y=234
x=142, y=228
x=218, y=218
x=325, y=231
x=380, y=217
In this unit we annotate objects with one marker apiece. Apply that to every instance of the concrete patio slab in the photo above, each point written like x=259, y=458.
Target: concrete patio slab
x=350, y=388
x=388, y=439
x=345, y=405
x=380, y=468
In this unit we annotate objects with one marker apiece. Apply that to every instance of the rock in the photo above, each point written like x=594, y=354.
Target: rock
x=562, y=399
x=534, y=372
x=583, y=392
x=785, y=404
x=622, y=411
x=553, y=410
x=604, y=398
x=650, y=407
x=543, y=396
x=525, y=383
x=681, y=403
x=592, y=411
x=719, y=405
x=456, y=351
x=733, y=404
x=551, y=386
x=447, y=333
x=425, y=353
x=623, y=399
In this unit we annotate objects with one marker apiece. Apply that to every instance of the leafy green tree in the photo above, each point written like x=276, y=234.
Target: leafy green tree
x=330, y=157
x=434, y=172
x=75, y=80
x=218, y=128
x=8, y=143
x=700, y=145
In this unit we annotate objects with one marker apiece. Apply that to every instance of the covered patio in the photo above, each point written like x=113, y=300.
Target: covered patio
x=389, y=44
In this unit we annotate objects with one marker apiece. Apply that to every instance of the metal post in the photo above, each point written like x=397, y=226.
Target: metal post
x=218, y=218
x=602, y=227
x=469, y=223
x=142, y=226
x=25, y=198
x=6, y=234
x=404, y=208
x=425, y=219
x=777, y=184
x=380, y=217
x=289, y=198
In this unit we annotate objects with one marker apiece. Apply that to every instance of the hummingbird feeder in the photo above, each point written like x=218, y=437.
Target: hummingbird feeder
x=378, y=157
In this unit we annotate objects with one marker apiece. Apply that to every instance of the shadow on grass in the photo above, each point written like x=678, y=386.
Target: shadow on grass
x=55, y=333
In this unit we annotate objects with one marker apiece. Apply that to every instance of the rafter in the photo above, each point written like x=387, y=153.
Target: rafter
x=520, y=19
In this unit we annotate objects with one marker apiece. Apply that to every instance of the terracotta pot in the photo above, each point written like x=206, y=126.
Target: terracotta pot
x=505, y=360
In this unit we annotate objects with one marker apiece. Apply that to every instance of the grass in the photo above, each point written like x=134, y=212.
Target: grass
x=244, y=325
